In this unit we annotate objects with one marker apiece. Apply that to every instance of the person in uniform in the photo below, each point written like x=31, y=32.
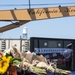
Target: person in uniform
x=68, y=52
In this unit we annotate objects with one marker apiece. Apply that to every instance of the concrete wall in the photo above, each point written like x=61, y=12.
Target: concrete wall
x=21, y=44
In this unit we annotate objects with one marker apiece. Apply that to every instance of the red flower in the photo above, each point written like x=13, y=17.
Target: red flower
x=0, y=54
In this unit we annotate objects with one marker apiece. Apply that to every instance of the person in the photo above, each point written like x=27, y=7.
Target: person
x=68, y=52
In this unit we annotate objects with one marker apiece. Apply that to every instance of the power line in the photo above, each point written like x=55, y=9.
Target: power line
x=34, y=4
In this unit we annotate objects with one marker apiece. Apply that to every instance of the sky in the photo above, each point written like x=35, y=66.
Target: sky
x=48, y=28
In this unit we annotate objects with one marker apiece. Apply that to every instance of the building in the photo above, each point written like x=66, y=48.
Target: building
x=52, y=47
x=21, y=44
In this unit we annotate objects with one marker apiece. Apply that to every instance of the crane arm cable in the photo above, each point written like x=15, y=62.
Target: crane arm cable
x=35, y=4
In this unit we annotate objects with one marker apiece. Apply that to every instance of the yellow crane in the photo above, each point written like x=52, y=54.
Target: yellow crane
x=25, y=15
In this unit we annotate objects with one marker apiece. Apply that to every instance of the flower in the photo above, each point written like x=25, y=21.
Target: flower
x=6, y=61
x=4, y=64
x=0, y=54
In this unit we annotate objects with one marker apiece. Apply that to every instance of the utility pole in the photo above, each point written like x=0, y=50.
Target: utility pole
x=29, y=5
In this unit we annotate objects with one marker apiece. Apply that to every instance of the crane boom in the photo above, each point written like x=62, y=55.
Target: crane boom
x=26, y=15
x=36, y=13
x=11, y=26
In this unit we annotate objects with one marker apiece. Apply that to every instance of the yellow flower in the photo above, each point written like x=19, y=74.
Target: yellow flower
x=4, y=64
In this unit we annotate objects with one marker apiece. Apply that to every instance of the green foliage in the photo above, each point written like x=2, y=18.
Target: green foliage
x=39, y=70
x=16, y=61
x=7, y=55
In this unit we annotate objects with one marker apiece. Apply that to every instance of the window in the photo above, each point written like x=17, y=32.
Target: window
x=3, y=45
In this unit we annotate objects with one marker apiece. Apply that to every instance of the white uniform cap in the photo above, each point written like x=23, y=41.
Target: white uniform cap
x=70, y=44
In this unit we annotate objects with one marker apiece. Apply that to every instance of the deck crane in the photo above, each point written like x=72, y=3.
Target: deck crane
x=26, y=15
